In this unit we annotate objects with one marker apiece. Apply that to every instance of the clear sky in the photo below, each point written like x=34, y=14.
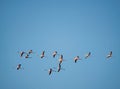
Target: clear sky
x=71, y=27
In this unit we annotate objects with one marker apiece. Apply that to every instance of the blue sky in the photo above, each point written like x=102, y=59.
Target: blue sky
x=71, y=27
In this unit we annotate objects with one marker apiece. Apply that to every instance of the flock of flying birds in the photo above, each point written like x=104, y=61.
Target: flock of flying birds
x=50, y=70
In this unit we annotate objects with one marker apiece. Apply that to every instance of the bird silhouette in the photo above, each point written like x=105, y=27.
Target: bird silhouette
x=60, y=59
x=87, y=55
x=109, y=55
x=22, y=53
x=50, y=71
x=43, y=54
x=59, y=68
x=30, y=51
x=76, y=59
x=54, y=54
x=18, y=66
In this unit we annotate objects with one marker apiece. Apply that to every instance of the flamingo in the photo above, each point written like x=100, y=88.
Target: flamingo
x=76, y=58
x=60, y=59
x=30, y=51
x=54, y=54
x=22, y=53
x=50, y=71
x=18, y=66
x=59, y=67
x=109, y=55
x=43, y=54
x=87, y=55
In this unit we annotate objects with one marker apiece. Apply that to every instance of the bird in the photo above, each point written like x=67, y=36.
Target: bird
x=59, y=68
x=27, y=56
x=22, y=53
x=43, y=54
x=30, y=51
x=87, y=55
x=18, y=66
x=109, y=55
x=50, y=71
x=76, y=59
x=60, y=59
x=54, y=54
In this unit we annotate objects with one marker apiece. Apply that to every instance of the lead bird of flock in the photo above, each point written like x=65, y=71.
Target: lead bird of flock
x=26, y=55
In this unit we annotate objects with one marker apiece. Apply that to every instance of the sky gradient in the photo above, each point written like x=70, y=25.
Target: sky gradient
x=70, y=27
